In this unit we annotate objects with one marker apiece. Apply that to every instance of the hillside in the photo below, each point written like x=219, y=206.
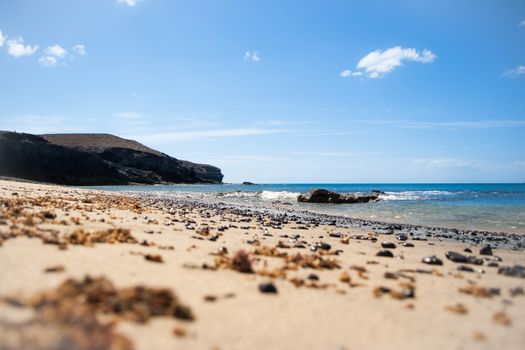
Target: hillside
x=94, y=159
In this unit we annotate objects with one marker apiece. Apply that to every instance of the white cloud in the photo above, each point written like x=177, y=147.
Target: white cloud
x=2, y=39
x=129, y=2
x=378, y=63
x=522, y=23
x=514, y=72
x=348, y=73
x=252, y=56
x=48, y=61
x=16, y=48
x=80, y=49
x=56, y=50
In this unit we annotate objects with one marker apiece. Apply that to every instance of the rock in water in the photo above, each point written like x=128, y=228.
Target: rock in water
x=325, y=196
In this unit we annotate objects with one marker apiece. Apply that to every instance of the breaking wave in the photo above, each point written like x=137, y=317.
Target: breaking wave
x=414, y=195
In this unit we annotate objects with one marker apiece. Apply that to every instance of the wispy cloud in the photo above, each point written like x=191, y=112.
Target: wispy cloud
x=514, y=72
x=454, y=125
x=80, y=49
x=252, y=56
x=131, y=3
x=522, y=23
x=348, y=73
x=48, y=61
x=378, y=63
x=16, y=48
x=2, y=39
x=203, y=134
x=331, y=154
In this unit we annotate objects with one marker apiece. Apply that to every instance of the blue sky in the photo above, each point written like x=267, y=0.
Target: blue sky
x=279, y=91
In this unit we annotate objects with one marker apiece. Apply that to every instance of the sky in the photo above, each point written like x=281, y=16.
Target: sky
x=271, y=91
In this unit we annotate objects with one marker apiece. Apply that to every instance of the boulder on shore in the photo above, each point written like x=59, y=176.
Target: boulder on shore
x=325, y=196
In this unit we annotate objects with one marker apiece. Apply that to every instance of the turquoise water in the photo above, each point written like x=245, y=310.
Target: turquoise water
x=499, y=207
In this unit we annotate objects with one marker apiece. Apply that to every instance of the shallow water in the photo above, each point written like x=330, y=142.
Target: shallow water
x=494, y=207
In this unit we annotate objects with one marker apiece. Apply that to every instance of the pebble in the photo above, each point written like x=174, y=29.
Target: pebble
x=385, y=253
x=268, y=287
x=313, y=277
x=512, y=271
x=388, y=245
x=432, y=260
x=408, y=245
x=486, y=250
x=460, y=258
x=465, y=268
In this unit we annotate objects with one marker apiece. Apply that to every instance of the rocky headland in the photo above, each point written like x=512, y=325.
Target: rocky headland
x=94, y=159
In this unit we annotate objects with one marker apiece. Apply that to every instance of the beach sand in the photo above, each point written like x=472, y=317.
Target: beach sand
x=341, y=296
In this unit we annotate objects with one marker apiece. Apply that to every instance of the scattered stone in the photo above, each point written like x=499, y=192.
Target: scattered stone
x=154, y=258
x=460, y=258
x=432, y=260
x=313, y=277
x=180, y=332
x=267, y=287
x=512, y=271
x=457, y=309
x=55, y=269
x=486, y=250
x=408, y=245
x=385, y=253
x=388, y=245
x=516, y=291
x=464, y=268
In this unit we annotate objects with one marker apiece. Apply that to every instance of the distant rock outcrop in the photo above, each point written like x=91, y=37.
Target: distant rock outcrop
x=325, y=196
x=94, y=159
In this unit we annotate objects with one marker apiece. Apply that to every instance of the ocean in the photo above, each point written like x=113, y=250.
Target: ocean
x=492, y=207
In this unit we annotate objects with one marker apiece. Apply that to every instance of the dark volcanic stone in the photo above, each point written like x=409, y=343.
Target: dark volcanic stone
x=467, y=250
x=267, y=288
x=385, y=253
x=325, y=196
x=402, y=237
x=486, y=250
x=408, y=245
x=388, y=245
x=512, y=271
x=456, y=257
x=313, y=277
x=432, y=260
x=465, y=268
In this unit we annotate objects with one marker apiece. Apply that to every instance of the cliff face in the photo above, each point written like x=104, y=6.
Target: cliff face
x=94, y=159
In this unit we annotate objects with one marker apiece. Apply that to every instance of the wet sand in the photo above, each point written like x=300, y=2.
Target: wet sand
x=198, y=276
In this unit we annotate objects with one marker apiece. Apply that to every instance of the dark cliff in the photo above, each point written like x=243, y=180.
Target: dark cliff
x=94, y=159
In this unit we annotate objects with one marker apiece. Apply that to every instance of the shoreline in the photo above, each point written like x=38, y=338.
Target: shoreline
x=512, y=240
x=302, y=280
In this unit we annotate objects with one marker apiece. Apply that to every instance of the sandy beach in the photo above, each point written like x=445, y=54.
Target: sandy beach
x=192, y=277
